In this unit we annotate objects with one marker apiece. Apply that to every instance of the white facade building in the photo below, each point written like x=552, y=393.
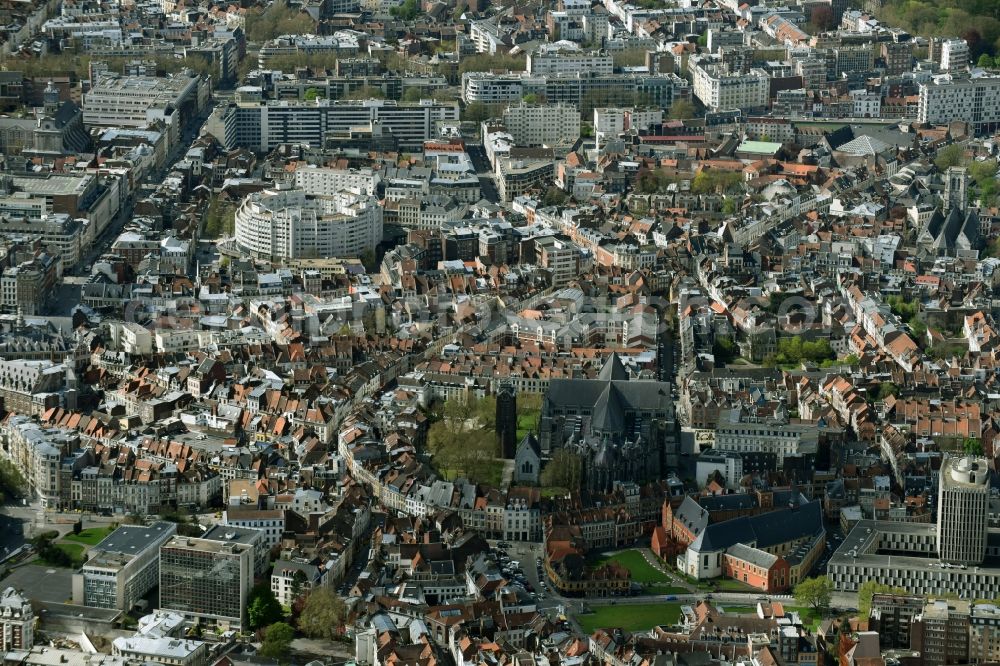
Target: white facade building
x=719, y=90
x=566, y=57
x=974, y=100
x=327, y=182
x=954, y=55
x=289, y=224
x=543, y=124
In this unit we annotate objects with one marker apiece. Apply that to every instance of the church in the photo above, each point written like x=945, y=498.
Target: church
x=622, y=428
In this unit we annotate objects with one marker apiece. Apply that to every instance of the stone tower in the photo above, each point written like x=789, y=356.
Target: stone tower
x=956, y=187
x=506, y=420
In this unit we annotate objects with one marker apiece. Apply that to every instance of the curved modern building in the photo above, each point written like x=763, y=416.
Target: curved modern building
x=277, y=225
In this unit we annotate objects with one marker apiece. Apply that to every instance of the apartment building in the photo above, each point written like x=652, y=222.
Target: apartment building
x=973, y=100
x=565, y=57
x=17, y=621
x=954, y=55
x=542, y=124
x=719, y=90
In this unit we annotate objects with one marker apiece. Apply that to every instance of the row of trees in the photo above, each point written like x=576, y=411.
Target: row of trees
x=975, y=21
x=278, y=19
x=12, y=483
x=794, y=350
x=463, y=440
x=220, y=219
x=319, y=614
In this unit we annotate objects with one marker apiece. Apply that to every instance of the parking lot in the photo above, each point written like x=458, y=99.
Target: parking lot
x=42, y=583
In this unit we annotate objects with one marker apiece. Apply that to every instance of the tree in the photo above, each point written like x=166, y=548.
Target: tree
x=323, y=614
x=277, y=640
x=972, y=446
x=629, y=58
x=463, y=441
x=365, y=92
x=411, y=94
x=949, y=156
x=822, y=18
x=554, y=197
x=985, y=61
x=12, y=483
x=870, y=588
x=885, y=389
x=476, y=112
x=278, y=19
x=724, y=349
x=530, y=98
x=409, y=10
x=814, y=593
x=263, y=608
x=564, y=470
x=729, y=206
x=313, y=94
x=681, y=109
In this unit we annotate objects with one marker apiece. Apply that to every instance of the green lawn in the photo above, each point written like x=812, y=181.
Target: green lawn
x=527, y=421
x=730, y=585
x=642, y=571
x=74, y=550
x=653, y=580
x=91, y=536
x=630, y=617
x=738, y=610
x=810, y=618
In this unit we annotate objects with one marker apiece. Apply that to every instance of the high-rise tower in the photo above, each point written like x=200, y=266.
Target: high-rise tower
x=963, y=509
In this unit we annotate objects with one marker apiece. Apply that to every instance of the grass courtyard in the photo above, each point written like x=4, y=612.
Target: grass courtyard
x=527, y=421
x=643, y=572
x=73, y=550
x=90, y=536
x=630, y=617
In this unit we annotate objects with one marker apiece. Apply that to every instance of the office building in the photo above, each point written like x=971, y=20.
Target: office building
x=963, y=509
x=138, y=101
x=289, y=224
x=252, y=536
x=123, y=567
x=904, y=555
x=560, y=257
x=576, y=88
x=542, y=124
x=973, y=100
x=264, y=125
x=208, y=581
x=17, y=621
